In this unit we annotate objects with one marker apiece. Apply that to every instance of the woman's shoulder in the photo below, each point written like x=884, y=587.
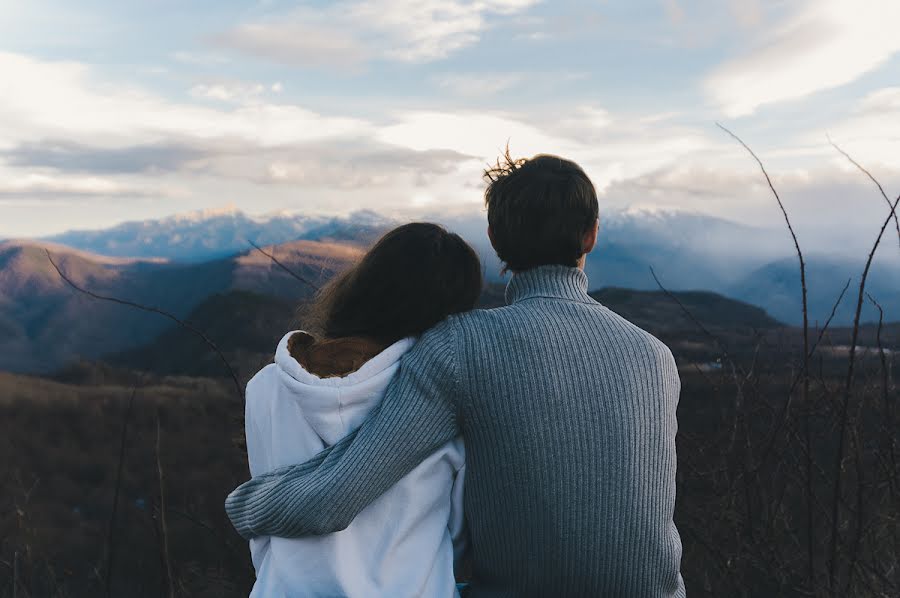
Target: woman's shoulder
x=260, y=386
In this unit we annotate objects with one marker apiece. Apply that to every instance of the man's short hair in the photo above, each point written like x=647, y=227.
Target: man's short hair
x=539, y=210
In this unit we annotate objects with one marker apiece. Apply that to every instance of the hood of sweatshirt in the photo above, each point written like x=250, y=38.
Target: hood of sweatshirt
x=336, y=406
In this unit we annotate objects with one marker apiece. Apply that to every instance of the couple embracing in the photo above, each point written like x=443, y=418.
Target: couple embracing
x=531, y=447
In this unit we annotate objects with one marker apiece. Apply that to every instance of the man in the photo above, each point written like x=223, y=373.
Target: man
x=567, y=411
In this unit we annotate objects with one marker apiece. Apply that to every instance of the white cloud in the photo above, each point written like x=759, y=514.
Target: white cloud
x=62, y=100
x=885, y=100
x=828, y=43
x=610, y=147
x=872, y=133
x=348, y=34
x=39, y=185
x=65, y=132
x=236, y=92
x=482, y=134
x=57, y=117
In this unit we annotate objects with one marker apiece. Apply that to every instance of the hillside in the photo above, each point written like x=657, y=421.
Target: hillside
x=247, y=326
x=656, y=311
x=44, y=323
x=777, y=286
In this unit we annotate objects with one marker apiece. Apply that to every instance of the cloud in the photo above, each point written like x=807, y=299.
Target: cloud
x=37, y=186
x=62, y=155
x=55, y=100
x=229, y=92
x=833, y=210
x=350, y=33
x=339, y=164
x=828, y=43
x=59, y=118
x=871, y=133
x=610, y=147
x=476, y=133
x=68, y=133
x=881, y=101
x=296, y=43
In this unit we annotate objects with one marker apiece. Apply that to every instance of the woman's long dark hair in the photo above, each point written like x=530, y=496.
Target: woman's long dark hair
x=414, y=277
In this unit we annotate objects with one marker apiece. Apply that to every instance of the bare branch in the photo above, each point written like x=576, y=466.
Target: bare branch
x=697, y=323
x=163, y=523
x=154, y=310
x=291, y=272
x=806, y=352
x=787, y=220
x=887, y=200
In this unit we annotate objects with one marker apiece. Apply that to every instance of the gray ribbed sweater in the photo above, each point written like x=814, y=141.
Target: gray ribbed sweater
x=568, y=415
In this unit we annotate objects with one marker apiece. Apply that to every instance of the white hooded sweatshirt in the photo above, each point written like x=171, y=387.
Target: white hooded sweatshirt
x=401, y=545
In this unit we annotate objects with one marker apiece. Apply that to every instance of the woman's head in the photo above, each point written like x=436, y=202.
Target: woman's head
x=414, y=277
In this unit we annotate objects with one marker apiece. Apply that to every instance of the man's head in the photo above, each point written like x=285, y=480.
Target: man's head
x=541, y=211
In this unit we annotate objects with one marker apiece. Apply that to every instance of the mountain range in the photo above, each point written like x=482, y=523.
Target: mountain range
x=211, y=234
x=45, y=323
x=178, y=263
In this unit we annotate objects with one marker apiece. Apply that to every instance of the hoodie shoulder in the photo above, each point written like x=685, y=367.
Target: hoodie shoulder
x=260, y=387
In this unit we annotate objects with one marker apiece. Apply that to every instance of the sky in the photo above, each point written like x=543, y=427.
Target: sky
x=128, y=110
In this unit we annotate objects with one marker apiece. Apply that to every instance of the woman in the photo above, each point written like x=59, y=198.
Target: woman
x=321, y=388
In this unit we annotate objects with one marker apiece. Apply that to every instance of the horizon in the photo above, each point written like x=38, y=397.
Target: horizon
x=299, y=107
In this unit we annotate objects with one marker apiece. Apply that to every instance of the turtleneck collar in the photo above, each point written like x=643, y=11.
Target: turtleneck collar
x=558, y=282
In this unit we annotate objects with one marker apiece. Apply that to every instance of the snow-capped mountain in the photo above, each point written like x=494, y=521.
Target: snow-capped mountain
x=211, y=234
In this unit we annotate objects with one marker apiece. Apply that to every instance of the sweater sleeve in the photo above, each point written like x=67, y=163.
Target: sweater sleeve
x=416, y=416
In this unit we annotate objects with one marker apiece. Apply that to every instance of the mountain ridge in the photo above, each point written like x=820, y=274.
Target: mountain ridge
x=45, y=323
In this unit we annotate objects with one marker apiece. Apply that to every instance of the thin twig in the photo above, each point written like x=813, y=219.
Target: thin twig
x=725, y=354
x=802, y=375
x=790, y=228
x=881, y=354
x=887, y=200
x=163, y=525
x=110, y=538
x=885, y=391
x=275, y=260
x=154, y=310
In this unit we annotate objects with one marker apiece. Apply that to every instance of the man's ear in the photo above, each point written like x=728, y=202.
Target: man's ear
x=589, y=241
